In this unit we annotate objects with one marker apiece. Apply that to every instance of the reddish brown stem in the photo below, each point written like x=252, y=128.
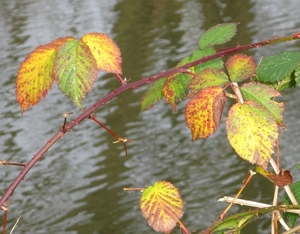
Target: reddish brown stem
x=123, y=81
x=4, y=221
x=124, y=88
x=3, y=162
x=103, y=126
x=183, y=228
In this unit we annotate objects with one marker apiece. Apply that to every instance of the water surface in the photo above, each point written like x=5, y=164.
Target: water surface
x=78, y=185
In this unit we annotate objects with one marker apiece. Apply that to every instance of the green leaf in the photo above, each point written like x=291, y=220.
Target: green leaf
x=240, y=67
x=218, y=34
x=297, y=76
x=262, y=94
x=278, y=67
x=252, y=132
x=295, y=187
x=236, y=222
x=153, y=94
x=286, y=82
x=162, y=206
x=199, y=54
x=75, y=70
x=207, y=78
x=175, y=88
x=203, y=112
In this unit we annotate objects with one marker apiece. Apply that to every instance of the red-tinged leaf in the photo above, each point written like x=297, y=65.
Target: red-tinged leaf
x=162, y=206
x=252, y=132
x=153, y=94
x=282, y=179
x=240, y=67
x=35, y=75
x=75, y=70
x=176, y=88
x=203, y=112
x=207, y=78
x=262, y=94
x=105, y=51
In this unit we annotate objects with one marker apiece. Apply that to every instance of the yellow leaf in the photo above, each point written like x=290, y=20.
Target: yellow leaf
x=35, y=76
x=162, y=206
x=105, y=51
x=203, y=112
x=252, y=132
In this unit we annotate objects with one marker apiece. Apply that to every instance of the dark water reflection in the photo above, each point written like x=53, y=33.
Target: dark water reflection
x=77, y=186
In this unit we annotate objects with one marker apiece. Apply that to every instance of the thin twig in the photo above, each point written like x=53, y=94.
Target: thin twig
x=3, y=162
x=246, y=181
x=254, y=204
x=292, y=230
x=15, y=225
x=257, y=205
x=134, y=189
x=275, y=214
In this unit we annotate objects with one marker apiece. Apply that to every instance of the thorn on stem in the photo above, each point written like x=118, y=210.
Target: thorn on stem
x=65, y=115
x=123, y=81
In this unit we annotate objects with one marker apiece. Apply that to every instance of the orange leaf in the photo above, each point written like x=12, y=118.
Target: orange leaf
x=35, y=75
x=203, y=112
x=105, y=51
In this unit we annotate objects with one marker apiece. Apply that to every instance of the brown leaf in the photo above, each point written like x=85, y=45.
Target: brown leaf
x=282, y=179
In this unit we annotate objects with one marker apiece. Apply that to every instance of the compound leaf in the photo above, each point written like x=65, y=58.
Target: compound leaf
x=75, y=70
x=278, y=67
x=240, y=67
x=262, y=94
x=252, y=132
x=203, y=112
x=105, y=51
x=162, y=206
x=35, y=75
x=218, y=34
